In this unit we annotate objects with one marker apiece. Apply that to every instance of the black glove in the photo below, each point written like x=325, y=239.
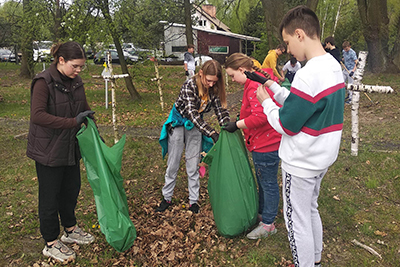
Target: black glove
x=82, y=116
x=214, y=137
x=255, y=77
x=230, y=126
x=351, y=73
x=187, y=73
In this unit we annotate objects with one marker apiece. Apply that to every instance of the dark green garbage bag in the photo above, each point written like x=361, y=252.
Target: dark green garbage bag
x=286, y=84
x=103, y=166
x=231, y=185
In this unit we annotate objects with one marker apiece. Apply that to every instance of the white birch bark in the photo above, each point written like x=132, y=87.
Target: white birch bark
x=337, y=18
x=159, y=84
x=358, y=75
x=370, y=88
x=113, y=98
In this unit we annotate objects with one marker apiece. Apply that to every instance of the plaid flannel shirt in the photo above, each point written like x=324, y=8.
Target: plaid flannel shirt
x=188, y=105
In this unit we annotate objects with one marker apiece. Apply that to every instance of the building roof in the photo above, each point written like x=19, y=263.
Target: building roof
x=230, y=34
x=219, y=24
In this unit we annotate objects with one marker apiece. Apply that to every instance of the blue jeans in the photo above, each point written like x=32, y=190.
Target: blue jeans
x=266, y=167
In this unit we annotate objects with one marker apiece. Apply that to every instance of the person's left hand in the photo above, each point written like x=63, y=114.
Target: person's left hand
x=214, y=137
x=262, y=94
x=351, y=73
x=282, y=79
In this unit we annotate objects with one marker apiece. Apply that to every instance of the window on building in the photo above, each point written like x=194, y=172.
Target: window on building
x=218, y=49
x=202, y=22
x=179, y=49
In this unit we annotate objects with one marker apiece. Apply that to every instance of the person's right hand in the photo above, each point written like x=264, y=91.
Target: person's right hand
x=81, y=117
x=187, y=73
x=282, y=79
x=255, y=77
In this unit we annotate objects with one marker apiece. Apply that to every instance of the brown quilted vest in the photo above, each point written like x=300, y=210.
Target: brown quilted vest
x=57, y=147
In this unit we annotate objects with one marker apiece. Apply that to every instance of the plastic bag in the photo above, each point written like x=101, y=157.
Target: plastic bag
x=231, y=185
x=103, y=166
x=286, y=84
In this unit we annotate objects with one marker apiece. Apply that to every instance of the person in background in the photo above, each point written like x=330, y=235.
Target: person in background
x=189, y=62
x=331, y=48
x=261, y=140
x=350, y=65
x=255, y=62
x=311, y=123
x=58, y=108
x=198, y=95
x=270, y=61
x=291, y=67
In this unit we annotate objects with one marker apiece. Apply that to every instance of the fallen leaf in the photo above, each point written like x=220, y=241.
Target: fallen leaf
x=377, y=232
x=336, y=198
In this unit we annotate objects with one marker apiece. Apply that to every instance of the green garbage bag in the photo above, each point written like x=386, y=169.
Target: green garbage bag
x=103, y=166
x=231, y=185
x=286, y=84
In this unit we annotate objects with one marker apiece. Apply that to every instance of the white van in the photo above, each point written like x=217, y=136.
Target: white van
x=41, y=50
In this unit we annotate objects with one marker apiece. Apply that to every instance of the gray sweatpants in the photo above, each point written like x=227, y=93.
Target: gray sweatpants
x=303, y=223
x=191, y=141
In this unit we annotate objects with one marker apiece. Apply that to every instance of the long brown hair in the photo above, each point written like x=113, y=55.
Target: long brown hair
x=68, y=50
x=239, y=60
x=212, y=67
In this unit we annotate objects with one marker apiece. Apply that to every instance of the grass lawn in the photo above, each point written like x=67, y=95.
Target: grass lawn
x=359, y=198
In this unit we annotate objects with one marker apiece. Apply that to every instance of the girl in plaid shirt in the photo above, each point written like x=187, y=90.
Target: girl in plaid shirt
x=185, y=127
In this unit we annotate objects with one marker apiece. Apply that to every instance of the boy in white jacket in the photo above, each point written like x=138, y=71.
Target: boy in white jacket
x=310, y=121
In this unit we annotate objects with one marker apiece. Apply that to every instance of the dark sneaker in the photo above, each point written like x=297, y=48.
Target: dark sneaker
x=77, y=236
x=59, y=251
x=194, y=208
x=163, y=206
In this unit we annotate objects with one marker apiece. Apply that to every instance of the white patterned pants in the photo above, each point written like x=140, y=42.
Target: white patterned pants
x=303, y=222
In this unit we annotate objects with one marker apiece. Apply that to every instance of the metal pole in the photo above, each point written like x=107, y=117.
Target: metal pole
x=106, y=80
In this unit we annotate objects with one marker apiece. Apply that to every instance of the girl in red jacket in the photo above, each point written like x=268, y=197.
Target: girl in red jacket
x=261, y=139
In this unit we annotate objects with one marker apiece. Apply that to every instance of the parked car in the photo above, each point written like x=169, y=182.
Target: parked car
x=200, y=59
x=100, y=57
x=41, y=50
x=7, y=55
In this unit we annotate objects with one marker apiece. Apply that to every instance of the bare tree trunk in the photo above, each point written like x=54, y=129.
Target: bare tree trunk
x=337, y=17
x=104, y=7
x=395, y=53
x=375, y=21
x=312, y=4
x=323, y=22
x=273, y=13
x=26, y=70
x=188, y=22
x=57, y=21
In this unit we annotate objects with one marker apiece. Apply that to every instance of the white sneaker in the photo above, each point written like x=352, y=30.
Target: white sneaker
x=59, y=251
x=77, y=236
x=261, y=231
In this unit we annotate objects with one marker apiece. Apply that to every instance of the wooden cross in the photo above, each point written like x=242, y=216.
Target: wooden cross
x=358, y=87
x=109, y=76
x=158, y=79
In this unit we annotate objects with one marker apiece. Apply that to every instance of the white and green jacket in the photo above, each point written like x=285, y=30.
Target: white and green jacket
x=311, y=117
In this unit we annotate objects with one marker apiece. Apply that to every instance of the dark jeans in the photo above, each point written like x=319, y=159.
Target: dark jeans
x=266, y=167
x=58, y=193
